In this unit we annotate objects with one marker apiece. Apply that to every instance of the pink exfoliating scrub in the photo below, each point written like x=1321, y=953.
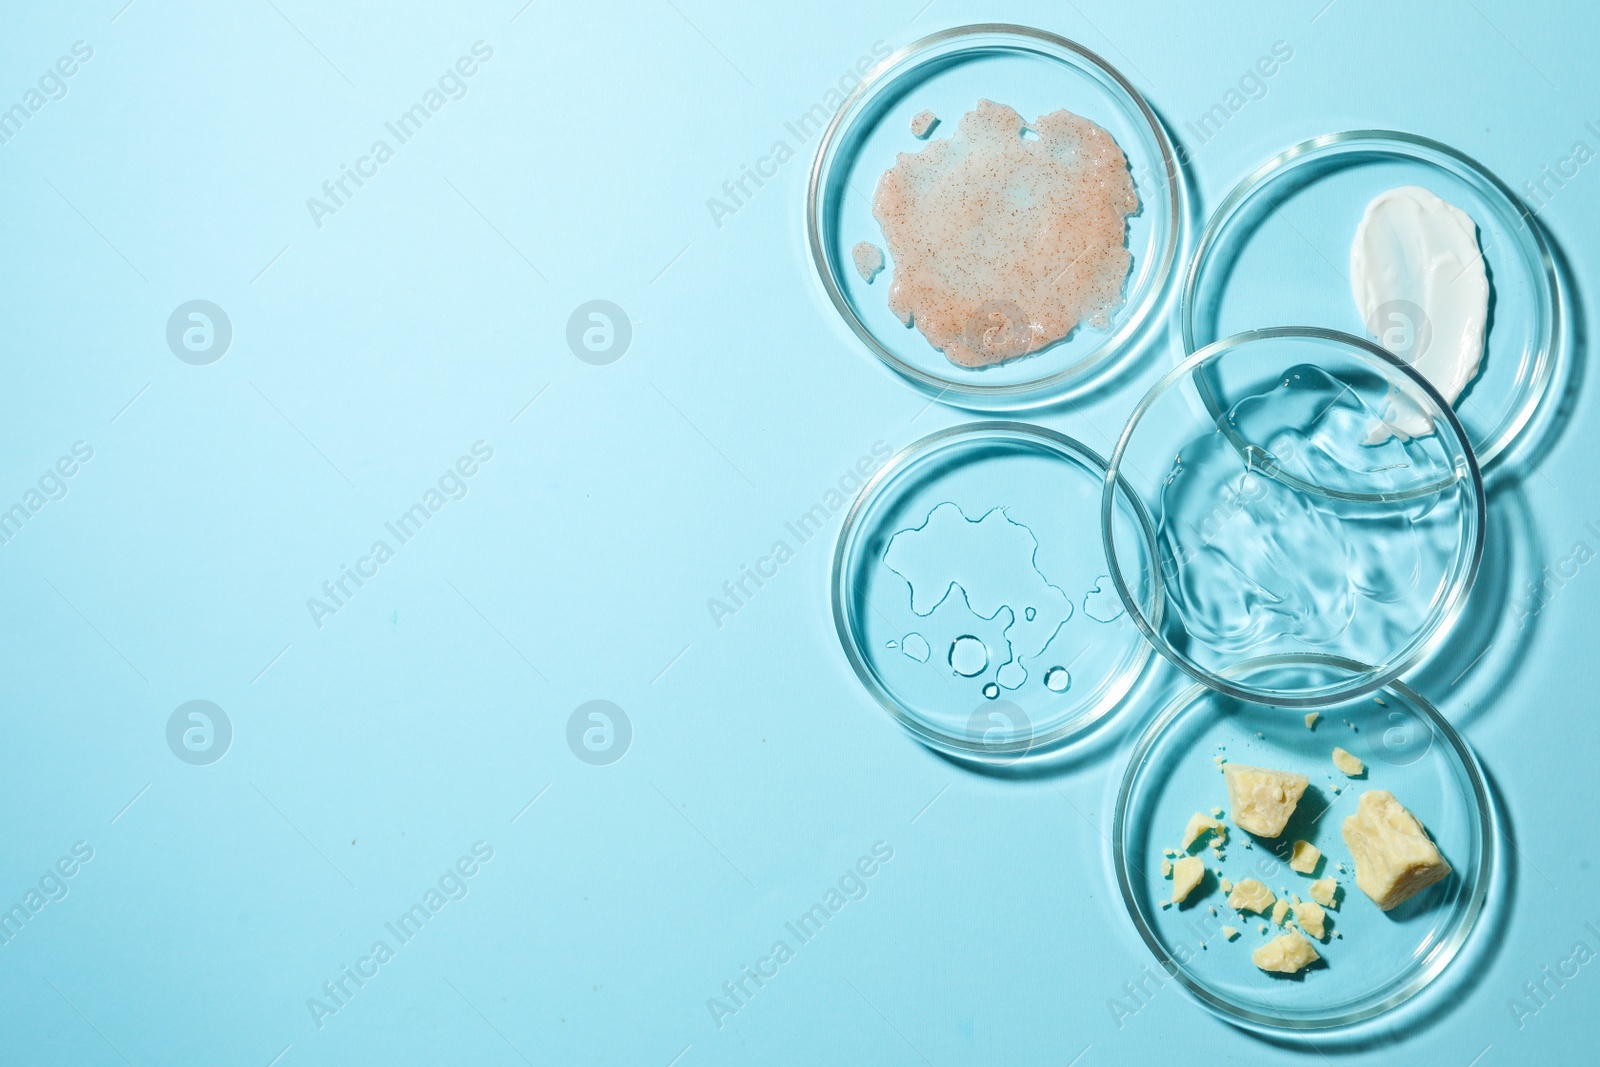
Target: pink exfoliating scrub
x=1002, y=242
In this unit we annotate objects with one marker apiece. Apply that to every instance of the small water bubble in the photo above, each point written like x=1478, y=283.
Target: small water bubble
x=1056, y=679
x=916, y=647
x=968, y=656
x=1029, y=613
x=991, y=691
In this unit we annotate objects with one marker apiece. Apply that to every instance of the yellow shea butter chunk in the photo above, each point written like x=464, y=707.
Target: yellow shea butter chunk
x=1279, y=910
x=1311, y=720
x=1250, y=895
x=1395, y=858
x=1304, y=857
x=1199, y=826
x=1323, y=891
x=1230, y=932
x=1350, y=765
x=1312, y=919
x=1262, y=800
x=1186, y=874
x=1285, y=954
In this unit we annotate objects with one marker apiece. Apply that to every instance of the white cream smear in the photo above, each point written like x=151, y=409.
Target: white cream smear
x=1422, y=290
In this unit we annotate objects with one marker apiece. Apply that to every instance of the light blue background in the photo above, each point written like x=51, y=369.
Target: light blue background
x=424, y=316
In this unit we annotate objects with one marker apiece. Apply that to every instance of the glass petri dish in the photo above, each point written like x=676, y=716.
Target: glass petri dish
x=1294, y=522
x=1277, y=252
x=971, y=594
x=1381, y=959
x=948, y=73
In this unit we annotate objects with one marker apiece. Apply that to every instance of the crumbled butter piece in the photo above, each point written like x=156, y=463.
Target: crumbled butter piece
x=1304, y=857
x=1166, y=868
x=1279, y=910
x=1311, y=720
x=1324, y=890
x=1227, y=886
x=1186, y=874
x=1229, y=933
x=1350, y=765
x=1285, y=954
x=1199, y=826
x=1395, y=858
x=1250, y=895
x=1262, y=800
x=1312, y=919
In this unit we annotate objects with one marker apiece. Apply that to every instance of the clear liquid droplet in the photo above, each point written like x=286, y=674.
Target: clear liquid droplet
x=968, y=656
x=1011, y=675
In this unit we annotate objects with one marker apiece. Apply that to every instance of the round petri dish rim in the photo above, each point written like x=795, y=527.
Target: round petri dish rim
x=1442, y=953
x=1443, y=621
x=1427, y=150
x=937, y=740
x=1033, y=391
